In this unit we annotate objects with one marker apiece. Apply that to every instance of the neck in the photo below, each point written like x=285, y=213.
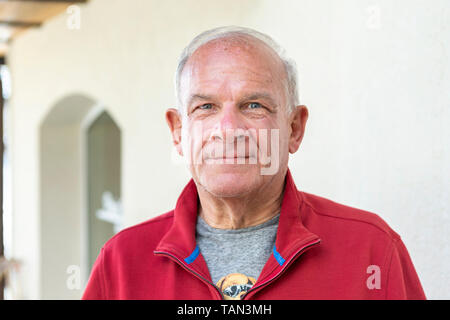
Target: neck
x=243, y=211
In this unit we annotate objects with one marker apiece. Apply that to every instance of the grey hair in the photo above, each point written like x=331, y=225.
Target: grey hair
x=236, y=31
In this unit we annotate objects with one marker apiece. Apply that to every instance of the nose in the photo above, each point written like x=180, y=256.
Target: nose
x=229, y=122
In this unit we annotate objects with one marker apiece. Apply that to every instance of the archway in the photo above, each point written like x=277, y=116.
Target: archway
x=76, y=137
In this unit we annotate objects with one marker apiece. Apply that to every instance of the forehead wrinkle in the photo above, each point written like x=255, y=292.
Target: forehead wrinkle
x=249, y=49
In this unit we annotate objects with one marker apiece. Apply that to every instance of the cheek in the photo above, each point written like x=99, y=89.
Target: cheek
x=277, y=133
x=185, y=136
x=284, y=144
x=193, y=138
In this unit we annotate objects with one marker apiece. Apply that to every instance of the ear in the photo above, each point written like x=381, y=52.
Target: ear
x=298, y=120
x=173, y=119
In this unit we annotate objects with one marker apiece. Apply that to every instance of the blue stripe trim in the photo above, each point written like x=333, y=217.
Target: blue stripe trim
x=193, y=255
x=278, y=256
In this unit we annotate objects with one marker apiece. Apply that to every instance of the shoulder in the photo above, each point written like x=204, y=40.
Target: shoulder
x=341, y=216
x=147, y=232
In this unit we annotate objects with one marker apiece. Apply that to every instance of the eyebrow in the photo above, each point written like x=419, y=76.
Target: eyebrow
x=198, y=96
x=262, y=96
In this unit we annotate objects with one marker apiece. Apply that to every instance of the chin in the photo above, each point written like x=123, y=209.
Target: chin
x=229, y=180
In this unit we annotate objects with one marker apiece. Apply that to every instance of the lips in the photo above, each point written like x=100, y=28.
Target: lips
x=213, y=152
x=231, y=160
x=225, y=158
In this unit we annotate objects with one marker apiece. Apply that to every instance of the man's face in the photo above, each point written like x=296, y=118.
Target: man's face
x=233, y=97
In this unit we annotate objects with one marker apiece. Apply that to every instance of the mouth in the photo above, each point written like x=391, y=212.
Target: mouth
x=230, y=160
x=235, y=157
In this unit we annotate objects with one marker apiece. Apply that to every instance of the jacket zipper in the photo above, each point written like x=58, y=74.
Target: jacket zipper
x=297, y=254
x=174, y=258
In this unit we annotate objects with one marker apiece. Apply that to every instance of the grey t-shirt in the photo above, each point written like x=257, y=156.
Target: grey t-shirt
x=235, y=257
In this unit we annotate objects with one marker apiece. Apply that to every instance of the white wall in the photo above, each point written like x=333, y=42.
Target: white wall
x=374, y=74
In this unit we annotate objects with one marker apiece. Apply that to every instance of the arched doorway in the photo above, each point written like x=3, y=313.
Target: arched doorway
x=79, y=162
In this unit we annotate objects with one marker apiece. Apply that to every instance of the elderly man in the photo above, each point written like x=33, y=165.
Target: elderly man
x=240, y=228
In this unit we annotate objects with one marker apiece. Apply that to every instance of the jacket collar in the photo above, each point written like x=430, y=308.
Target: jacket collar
x=291, y=234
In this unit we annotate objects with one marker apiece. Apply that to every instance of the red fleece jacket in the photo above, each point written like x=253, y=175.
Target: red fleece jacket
x=323, y=250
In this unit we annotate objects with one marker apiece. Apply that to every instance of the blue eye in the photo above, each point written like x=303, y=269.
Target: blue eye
x=206, y=106
x=254, y=105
